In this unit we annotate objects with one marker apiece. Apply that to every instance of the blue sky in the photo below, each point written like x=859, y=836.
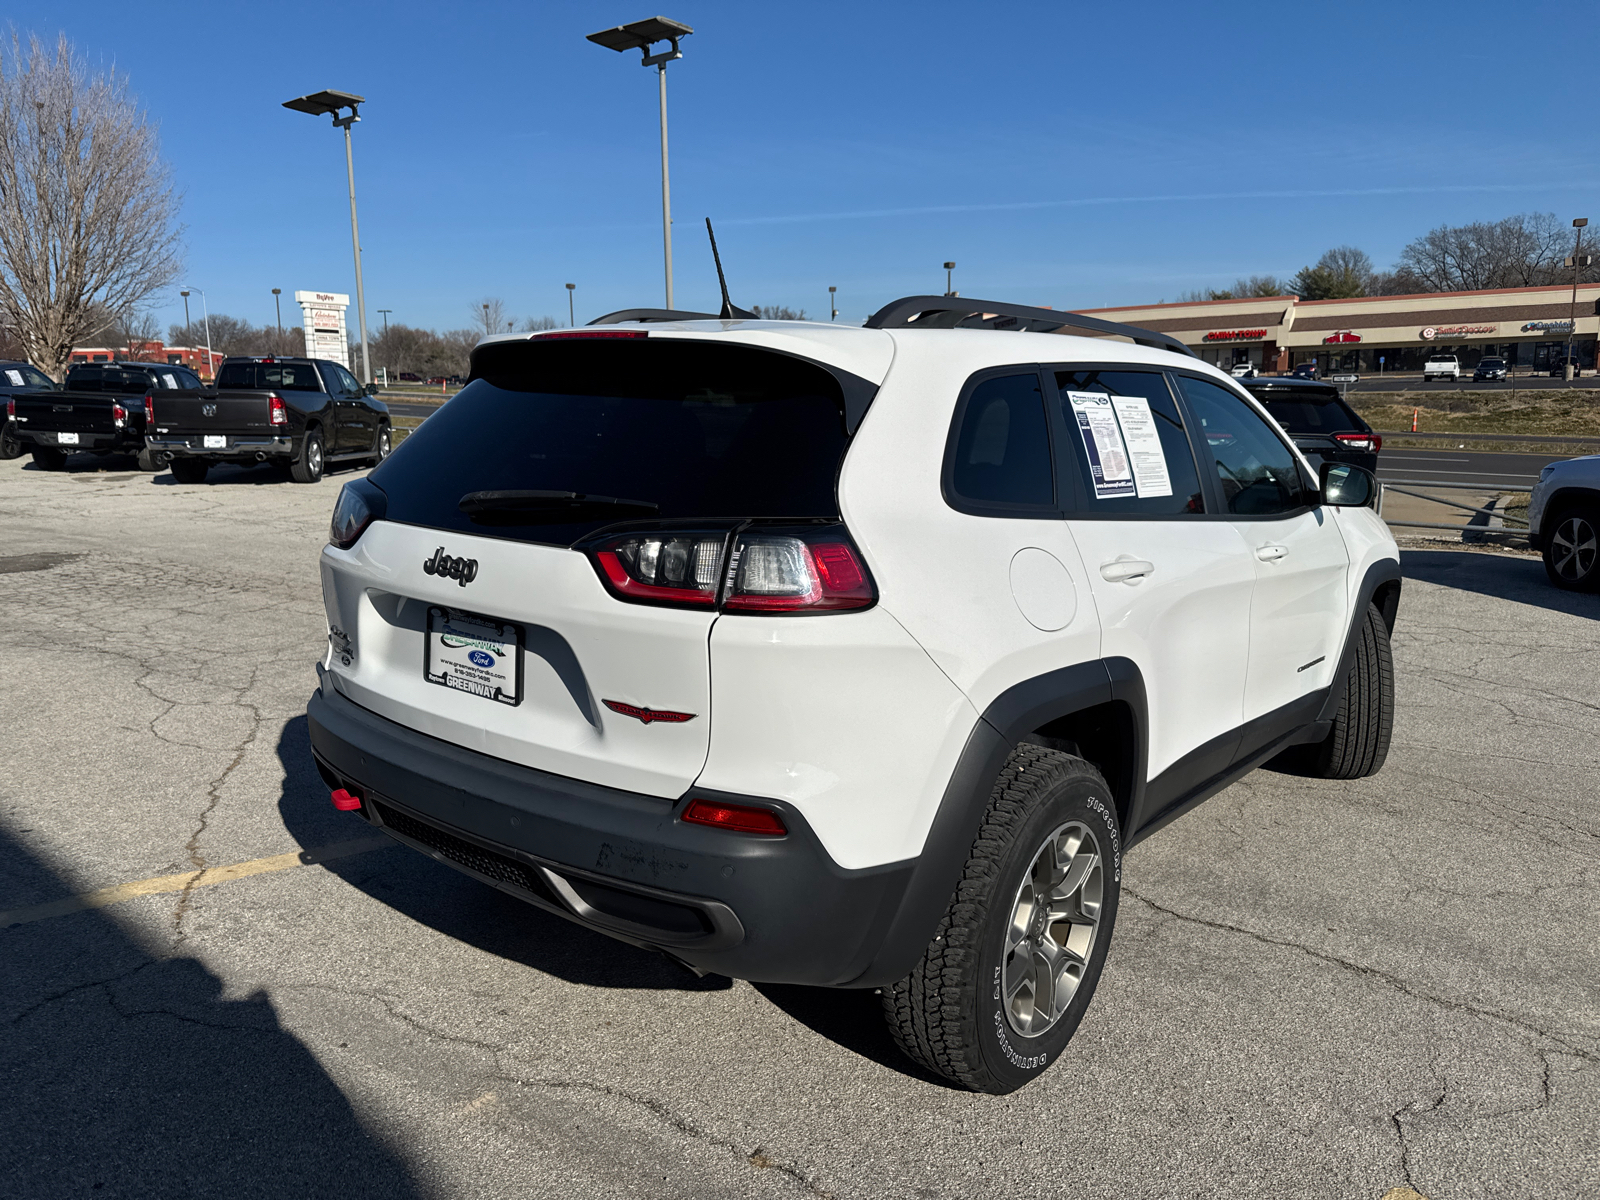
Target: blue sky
x=1061, y=153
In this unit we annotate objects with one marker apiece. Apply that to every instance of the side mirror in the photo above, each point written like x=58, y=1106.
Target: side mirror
x=1345, y=485
x=370, y=390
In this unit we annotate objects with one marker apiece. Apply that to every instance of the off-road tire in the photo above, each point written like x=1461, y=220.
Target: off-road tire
x=1573, y=561
x=151, y=460
x=189, y=470
x=48, y=458
x=948, y=1014
x=309, y=463
x=1359, y=741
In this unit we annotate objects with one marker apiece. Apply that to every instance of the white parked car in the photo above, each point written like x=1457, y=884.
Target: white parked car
x=1441, y=366
x=1564, y=522
x=1243, y=371
x=851, y=657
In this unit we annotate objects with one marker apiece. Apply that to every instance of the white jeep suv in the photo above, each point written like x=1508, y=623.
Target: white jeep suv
x=852, y=657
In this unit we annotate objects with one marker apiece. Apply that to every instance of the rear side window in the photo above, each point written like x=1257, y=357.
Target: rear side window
x=675, y=430
x=285, y=377
x=1001, y=454
x=1258, y=474
x=1128, y=439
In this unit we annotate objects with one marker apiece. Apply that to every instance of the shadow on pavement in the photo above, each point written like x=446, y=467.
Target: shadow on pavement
x=1508, y=577
x=851, y=1019
x=127, y=1074
x=457, y=905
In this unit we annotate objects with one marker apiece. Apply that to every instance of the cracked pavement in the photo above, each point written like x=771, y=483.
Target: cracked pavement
x=1315, y=990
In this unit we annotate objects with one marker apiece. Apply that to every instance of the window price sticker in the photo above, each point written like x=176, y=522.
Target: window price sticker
x=1123, y=445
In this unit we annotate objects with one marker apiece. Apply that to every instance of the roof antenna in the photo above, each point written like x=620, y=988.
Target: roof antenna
x=729, y=311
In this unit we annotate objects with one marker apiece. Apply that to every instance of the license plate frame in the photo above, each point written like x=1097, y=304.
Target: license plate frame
x=66, y=439
x=214, y=441
x=453, y=666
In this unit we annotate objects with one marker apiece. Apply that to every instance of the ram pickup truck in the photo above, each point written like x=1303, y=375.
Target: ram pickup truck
x=101, y=409
x=1441, y=366
x=18, y=378
x=300, y=413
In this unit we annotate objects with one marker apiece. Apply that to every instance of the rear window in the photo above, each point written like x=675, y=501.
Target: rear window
x=699, y=432
x=284, y=377
x=1310, y=412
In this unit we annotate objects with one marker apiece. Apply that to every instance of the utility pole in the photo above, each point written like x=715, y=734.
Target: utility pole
x=386, y=312
x=1577, y=262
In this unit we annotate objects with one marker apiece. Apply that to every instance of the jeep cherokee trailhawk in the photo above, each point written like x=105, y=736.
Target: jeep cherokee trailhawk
x=853, y=657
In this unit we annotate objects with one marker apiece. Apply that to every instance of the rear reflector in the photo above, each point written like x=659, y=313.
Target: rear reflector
x=344, y=801
x=741, y=818
x=573, y=335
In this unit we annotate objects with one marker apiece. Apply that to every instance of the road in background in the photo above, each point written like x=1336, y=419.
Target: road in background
x=1464, y=466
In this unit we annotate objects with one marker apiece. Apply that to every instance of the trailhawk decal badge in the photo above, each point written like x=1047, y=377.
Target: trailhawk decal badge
x=462, y=570
x=648, y=714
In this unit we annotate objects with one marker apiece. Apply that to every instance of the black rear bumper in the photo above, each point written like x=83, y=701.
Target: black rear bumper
x=240, y=447
x=768, y=909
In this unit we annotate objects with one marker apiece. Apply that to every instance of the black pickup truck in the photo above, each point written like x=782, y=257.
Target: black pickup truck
x=301, y=413
x=101, y=409
x=18, y=378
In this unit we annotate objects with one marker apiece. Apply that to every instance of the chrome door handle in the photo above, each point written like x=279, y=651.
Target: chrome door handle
x=1126, y=570
x=1271, y=553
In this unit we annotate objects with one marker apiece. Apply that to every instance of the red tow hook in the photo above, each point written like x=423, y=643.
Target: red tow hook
x=344, y=801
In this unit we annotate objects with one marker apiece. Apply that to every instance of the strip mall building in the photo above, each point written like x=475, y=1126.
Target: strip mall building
x=1528, y=326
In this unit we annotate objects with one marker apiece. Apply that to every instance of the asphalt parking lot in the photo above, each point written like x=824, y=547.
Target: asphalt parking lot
x=1316, y=989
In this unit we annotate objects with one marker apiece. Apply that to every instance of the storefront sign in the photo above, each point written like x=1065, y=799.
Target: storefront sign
x=1547, y=327
x=1438, y=331
x=1235, y=335
x=1343, y=337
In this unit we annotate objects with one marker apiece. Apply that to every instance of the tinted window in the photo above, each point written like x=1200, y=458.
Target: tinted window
x=348, y=381
x=84, y=379
x=702, y=432
x=21, y=375
x=1258, y=473
x=1128, y=439
x=1002, y=450
x=286, y=377
x=1309, y=411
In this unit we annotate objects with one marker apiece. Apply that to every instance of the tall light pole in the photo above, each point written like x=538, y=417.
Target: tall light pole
x=386, y=312
x=1577, y=262
x=329, y=104
x=277, y=304
x=205, y=310
x=571, y=319
x=833, y=307
x=641, y=35
x=186, y=322
x=949, y=288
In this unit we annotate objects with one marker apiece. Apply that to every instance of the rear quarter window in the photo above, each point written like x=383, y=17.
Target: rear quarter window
x=702, y=432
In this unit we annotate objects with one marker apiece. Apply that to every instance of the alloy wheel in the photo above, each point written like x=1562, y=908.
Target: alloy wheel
x=1054, y=921
x=1572, y=549
x=314, y=457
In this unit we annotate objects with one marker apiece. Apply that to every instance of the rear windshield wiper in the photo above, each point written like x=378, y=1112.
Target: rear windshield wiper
x=524, y=507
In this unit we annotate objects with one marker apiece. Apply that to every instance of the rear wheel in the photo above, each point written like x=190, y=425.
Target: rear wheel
x=48, y=458
x=10, y=444
x=385, y=441
x=190, y=470
x=1572, y=551
x=1014, y=962
x=307, y=466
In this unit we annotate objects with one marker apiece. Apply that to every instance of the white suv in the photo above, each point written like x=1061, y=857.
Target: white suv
x=1564, y=522
x=852, y=657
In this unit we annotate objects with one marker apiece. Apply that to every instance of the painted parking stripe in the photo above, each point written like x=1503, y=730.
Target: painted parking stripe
x=105, y=897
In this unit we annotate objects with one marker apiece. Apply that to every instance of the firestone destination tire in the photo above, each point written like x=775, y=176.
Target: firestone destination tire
x=1015, y=959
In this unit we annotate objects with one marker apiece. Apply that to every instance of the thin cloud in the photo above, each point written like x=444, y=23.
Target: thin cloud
x=1193, y=197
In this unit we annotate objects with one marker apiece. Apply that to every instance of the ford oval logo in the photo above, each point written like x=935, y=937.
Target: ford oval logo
x=479, y=658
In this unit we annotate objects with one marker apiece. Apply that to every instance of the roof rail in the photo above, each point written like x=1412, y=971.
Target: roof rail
x=957, y=312
x=651, y=314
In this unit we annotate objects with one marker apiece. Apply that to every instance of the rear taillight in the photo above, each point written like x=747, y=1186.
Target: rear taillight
x=1360, y=441
x=118, y=413
x=279, y=415
x=360, y=503
x=11, y=408
x=741, y=818
x=753, y=569
x=150, y=412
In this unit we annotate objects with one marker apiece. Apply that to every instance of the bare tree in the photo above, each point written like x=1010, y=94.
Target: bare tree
x=489, y=314
x=1521, y=251
x=134, y=331
x=87, y=207
x=1244, y=288
x=539, y=324
x=778, y=312
x=1340, y=274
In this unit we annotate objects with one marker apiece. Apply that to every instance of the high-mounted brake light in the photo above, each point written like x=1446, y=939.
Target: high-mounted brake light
x=150, y=412
x=570, y=335
x=741, y=818
x=278, y=416
x=1360, y=441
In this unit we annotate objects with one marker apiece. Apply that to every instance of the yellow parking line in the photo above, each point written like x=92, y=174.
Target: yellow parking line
x=191, y=879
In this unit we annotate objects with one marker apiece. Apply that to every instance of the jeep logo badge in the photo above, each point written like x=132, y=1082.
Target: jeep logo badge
x=462, y=570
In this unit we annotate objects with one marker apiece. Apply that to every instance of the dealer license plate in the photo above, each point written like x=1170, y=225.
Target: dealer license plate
x=216, y=441
x=66, y=439
x=474, y=654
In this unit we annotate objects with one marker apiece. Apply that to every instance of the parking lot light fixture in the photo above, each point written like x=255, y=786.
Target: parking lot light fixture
x=833, y=306
x=186, y=321
x=333, y=104
x=1577, y=262
x=277, y=304
x=571, y=319
x=949, y=288
x=205, y=312
x=640, y=36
